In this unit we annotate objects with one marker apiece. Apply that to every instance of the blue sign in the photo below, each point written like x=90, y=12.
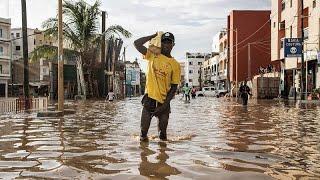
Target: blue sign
x=318, y=57
x=292, y=47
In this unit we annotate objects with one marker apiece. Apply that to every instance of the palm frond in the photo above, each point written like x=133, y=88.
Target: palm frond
x=117, y=29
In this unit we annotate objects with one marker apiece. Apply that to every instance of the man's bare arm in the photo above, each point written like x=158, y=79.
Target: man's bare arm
x=139, y=43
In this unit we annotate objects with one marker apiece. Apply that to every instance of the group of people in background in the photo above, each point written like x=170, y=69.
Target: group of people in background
x=188, y=91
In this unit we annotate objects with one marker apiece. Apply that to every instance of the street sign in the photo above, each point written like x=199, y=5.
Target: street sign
x=292, y=47
x=318, y=57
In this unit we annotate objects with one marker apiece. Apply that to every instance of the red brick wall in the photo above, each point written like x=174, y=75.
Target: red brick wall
x=247, y=23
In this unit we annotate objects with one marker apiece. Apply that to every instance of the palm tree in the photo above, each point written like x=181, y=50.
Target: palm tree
x=80, y=29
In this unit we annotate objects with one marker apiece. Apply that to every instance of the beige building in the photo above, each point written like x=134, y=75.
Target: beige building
x=5, y=59
x=286, y=22
x=35, y=39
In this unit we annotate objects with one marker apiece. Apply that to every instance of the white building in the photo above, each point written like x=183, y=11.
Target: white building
x=286, y=21
x=5, y=59
x=193, y=68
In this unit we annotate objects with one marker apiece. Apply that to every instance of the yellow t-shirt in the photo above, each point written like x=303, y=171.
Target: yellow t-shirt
x=162, y=72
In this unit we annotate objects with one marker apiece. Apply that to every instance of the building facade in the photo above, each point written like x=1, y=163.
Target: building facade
x=35, y=39
x=193, y=73
x=251, y=28
x=182, y=70
x=132, y=79
x=5, y=56
x=286, y=21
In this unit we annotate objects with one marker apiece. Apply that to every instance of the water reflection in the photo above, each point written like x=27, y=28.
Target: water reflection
x=208, y=138
x=160, y=169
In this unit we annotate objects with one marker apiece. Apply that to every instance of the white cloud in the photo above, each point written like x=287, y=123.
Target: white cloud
x=194, y=22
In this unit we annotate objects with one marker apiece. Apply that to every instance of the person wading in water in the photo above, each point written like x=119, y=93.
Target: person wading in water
x=163, y=77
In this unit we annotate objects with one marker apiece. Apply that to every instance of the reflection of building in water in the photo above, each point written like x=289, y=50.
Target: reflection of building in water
x=160, y=169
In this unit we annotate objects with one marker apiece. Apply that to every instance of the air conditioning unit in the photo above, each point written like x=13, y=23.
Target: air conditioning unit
x=282, y=26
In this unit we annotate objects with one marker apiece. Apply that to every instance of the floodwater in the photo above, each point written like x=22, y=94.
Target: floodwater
x=209, y=138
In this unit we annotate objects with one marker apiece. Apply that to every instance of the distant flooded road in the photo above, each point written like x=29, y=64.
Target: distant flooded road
x=209, y=138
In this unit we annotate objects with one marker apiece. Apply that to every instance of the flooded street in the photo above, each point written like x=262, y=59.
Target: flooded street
x=208, y=139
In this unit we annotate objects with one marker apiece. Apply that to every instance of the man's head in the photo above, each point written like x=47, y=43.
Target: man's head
x=167, y=43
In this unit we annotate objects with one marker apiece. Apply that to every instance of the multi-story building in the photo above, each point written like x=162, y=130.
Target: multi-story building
x=5, y=58
x=193, y=68
x=182, y=70
x=286, y=21
x=35, y=39
x=252, y=30
x=210, y=69
x=132, y=78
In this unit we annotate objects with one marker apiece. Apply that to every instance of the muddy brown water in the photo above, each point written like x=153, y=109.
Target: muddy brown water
x=209, y=138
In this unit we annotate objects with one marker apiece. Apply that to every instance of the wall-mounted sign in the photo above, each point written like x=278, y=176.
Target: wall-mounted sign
x=292, y=47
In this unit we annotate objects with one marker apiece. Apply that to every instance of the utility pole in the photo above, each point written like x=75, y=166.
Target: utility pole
x=302, y=54
x=249, y=61
x=103, y=53
x=60, y=59
x=236, y=30
x=25, y=54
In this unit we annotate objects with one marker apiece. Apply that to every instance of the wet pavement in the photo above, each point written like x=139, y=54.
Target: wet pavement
x=209, y=138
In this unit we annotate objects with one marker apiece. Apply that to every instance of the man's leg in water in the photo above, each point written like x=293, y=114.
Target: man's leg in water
x=145, y=123
x=163, y=124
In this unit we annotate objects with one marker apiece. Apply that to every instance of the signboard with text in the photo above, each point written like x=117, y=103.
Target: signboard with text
x=292, y=47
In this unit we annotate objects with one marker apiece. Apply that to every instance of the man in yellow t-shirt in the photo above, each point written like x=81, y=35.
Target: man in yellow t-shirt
x=163, y=77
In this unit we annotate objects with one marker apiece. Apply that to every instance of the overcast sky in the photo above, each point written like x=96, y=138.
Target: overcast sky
x=193, y=22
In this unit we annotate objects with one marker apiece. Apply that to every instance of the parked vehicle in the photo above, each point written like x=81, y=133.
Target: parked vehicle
x=207, y=91
x=211, y=92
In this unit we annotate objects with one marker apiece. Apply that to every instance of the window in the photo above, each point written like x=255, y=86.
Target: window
x=12, y=35
x=290, y=3
x=281, y=43
x=274, y=24
x=40, y=42
x=282, y=25
x=18, y=35
x=190, y=71
x=1, y=50
x=190, y=80
x=306, y=33
x=283, y=5
x=199, y=63
x=1, y=35
x=190, y=63
x=314, y=5
x=291, y=31
x=0, y=69
x=18, y=48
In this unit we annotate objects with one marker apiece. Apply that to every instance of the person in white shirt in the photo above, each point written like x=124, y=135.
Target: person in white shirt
x=111, y=96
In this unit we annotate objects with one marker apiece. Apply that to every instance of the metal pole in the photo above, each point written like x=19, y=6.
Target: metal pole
x=60, y=59
x=25, y=53
x=302, y=55
x=236, y=30
x=103, y=52
x=249, y=62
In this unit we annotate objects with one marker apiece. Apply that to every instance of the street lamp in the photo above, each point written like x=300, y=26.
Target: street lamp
x=236, y=32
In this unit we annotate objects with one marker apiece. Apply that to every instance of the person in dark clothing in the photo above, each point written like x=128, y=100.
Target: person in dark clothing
x=193, y=93
x=244, y=93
